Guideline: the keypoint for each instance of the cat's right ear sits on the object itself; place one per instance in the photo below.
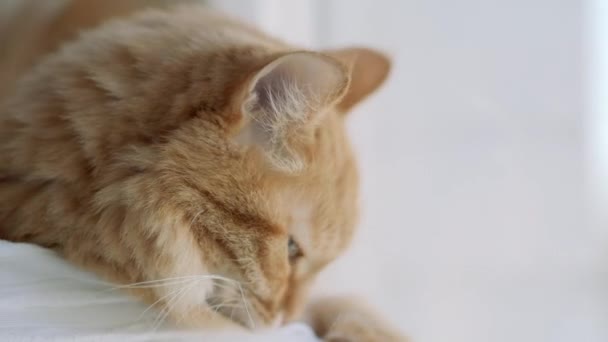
(369, 69)
(283, 100)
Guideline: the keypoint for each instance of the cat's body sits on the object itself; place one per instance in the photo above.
(181, 145)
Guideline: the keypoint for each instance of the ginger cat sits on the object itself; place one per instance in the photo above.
(179, 146)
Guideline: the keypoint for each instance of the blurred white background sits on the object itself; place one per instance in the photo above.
(476, 159)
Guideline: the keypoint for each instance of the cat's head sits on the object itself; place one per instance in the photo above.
(284, 188)
(217, 153)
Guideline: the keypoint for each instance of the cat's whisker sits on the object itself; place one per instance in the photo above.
(160, 282)
(214, 308)
(246, 306)
(151, 286)
(170, 304)
(231, 313)
(190, 283)
(172, 294)
(169, 281)
(159, 301)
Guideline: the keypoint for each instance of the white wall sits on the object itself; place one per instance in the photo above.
(596, 43)
(475, 223)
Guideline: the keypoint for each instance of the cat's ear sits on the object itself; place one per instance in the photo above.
(283, 101)
(368, 68)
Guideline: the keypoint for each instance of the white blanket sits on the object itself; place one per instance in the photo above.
(43, 298)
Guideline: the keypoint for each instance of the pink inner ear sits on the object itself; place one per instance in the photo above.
(286, 97)
(299, 81)
(271, 88)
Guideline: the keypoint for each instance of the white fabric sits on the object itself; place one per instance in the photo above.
(43, 298)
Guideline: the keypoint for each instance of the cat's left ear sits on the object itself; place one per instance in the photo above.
(368, 71)
(283, 100)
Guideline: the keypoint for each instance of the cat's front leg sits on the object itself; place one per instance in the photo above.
(345, 319)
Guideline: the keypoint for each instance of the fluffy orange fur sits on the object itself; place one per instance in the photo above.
(182, 146)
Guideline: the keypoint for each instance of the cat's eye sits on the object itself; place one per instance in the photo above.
(293, 249)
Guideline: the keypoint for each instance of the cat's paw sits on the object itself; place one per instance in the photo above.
(357, 328)
(350, 320)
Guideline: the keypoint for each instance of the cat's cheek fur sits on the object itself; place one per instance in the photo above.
(184, 260)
